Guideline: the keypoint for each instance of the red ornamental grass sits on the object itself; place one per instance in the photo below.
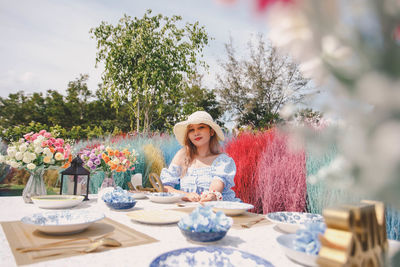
(245, 151)
(281, 177)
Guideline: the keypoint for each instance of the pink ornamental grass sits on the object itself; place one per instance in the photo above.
(281, 177)
(245, 151)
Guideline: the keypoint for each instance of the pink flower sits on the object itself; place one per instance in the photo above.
(262, 5)
(47, 135)
(34, 136)
(44, 143)
(28, 136)
(60, 149)
(60, 141)
(42, 132)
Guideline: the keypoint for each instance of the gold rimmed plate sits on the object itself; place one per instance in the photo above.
(57, 201)
(156, 216)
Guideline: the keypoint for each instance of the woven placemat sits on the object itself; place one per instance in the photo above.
(22, 235)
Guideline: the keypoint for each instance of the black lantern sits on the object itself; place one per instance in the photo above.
(76, 170)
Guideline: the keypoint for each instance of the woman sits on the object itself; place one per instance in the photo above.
(201, 170)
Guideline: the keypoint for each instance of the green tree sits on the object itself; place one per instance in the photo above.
(255, 89)
(146, 62)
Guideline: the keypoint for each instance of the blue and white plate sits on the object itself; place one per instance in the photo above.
(165, 197)
(63, 221)
(208, 256)
(230, 208)
(290, 222)
(287, 243)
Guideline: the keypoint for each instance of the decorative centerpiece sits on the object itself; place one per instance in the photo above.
(203, 225)
(108, 160)
(35, 153)
(119, 199)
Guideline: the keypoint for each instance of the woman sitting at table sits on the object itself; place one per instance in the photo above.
(199, 168)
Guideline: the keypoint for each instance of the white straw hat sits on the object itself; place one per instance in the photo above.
(196, 118)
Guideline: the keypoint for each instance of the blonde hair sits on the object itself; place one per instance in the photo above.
(191, 149)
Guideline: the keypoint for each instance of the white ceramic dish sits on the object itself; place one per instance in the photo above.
(208, 256)
(165, 197)
(57, 201)
(230, 208)
(156, 216)
(290, 222)
(63, 221)
(138, 195)
(286, 242)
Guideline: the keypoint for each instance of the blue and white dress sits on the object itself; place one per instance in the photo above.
(199, 179)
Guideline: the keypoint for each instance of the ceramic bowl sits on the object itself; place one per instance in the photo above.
(230, 208)
(203, 236)
(290, 222)
(120, 205)
(62, 222)
(287, 244)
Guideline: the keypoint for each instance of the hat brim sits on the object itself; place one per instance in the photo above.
(181, 127)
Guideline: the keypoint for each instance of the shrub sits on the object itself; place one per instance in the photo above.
(281, 176)
(245, 151)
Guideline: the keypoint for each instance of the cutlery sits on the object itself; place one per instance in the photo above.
(60, 243)
(250, 224)
(106, 241)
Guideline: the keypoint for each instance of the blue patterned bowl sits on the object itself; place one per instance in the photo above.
(121, 205)
(203, 236)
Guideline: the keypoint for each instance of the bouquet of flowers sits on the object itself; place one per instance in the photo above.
(38, 150)
(107, 159)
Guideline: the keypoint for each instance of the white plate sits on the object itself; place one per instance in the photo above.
(156, 216)
(286, 242)
(57, 201)
(230, 208)
(290, 222)
(138, 195)
(208, 256)
(165, 197)
(63, 221)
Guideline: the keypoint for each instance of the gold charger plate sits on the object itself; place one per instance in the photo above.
(156, 216)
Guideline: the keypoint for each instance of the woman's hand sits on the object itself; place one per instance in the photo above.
(208, 197)
(192, 196)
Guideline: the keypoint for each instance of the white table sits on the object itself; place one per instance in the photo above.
(260, 241)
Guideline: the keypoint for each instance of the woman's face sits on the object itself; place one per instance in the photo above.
(200, 134)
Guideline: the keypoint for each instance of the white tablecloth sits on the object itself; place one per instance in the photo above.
(260, 241)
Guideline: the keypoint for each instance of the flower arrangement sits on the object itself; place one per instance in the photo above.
(107, 159)
(38, 150)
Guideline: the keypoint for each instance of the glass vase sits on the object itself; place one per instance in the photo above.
(35, 185)
(108, 180)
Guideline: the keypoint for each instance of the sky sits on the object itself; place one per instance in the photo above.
(45, 43)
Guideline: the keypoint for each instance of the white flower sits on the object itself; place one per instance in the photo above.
(59, 156)
(32, 156)
(31, 166)
(15, 164)
(40, 138)
(19, 155)
(2, 159)
(11, 151)
(38, 149)
(116, 161)
(37, 142)
(23, 147)
(26, 160)
(46, 150)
